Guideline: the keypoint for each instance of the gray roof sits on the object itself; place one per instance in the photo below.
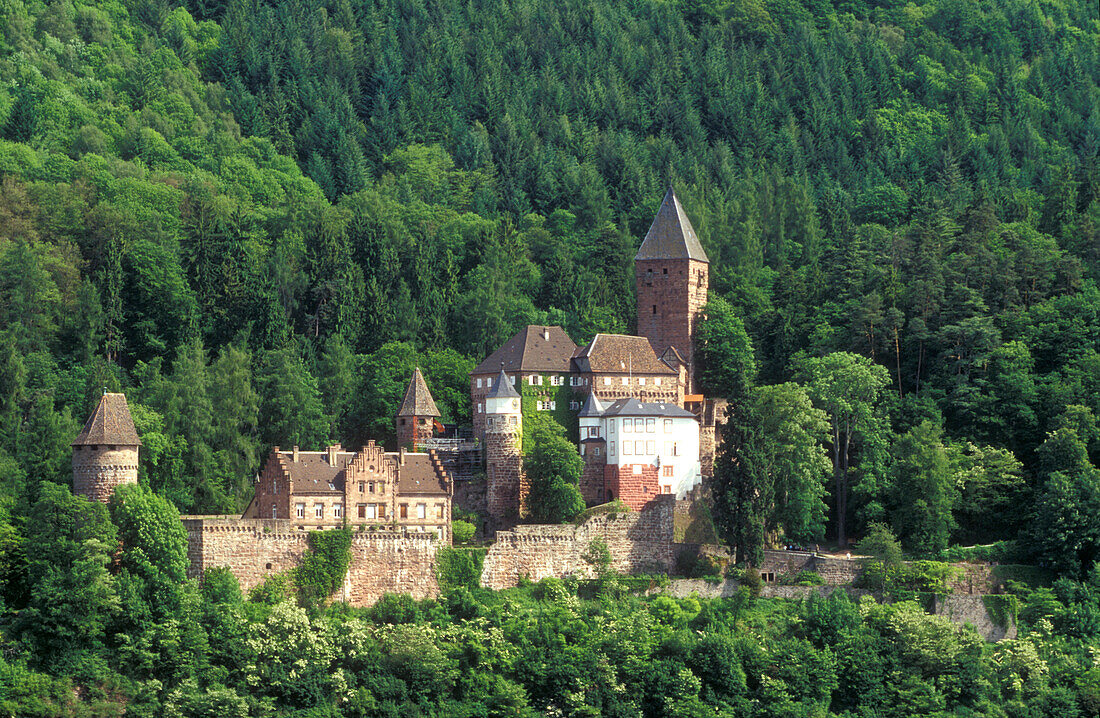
(671, 235)
(632, 407)
(503, 388)
(109, 424)
(592, 406)
(418, 400)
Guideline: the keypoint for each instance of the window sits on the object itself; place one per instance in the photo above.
(538, 405)
(611, 449)
(404, 509)
(594, 432)
(657, 381)
(574, 405)
(274, 511)
(625, 381)
(381, 511)
(479, 407)
(607, 381)
(439, 511)
(421, 511)
(654, 308)
(372, 511)
(664, 270)
(628, 426)
(319, 510)
(300, 510)
(667, 471)
(582, 449)
(639, 447)
(338, 511)
(274, 487)
(479, 383)
(612, 426)
(361, 511)
(641, 381)
(514, 379)
(628, 448)
(666, 489)
(675, 449)
(596, 450)
(381, 487)
(668, 426)
(362, 487)
(553, 405)
(651, 447)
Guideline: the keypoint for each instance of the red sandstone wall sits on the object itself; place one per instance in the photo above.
(634, 490)
(679, 297)
(638, 542)
(382, 562)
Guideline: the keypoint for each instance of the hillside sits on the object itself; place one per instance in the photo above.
(255, 218)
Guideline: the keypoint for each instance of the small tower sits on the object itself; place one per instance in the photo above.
(105, 453)
(671, 271)
(503, 452)
(416, 416)
(593, 450)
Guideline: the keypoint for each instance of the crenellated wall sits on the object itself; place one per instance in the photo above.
(639, 542)
(253, 549)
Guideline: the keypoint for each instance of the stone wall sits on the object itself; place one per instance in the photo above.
(834, 571)
(253, 549)
(97, 471)
(639, 542)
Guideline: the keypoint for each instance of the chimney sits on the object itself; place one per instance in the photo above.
(546, 334)
(295, 453)
(401, 456)
(332, 451)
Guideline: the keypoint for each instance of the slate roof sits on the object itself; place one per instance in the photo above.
(418, 475)
(503, 388)
(633, 407)
(620, 354)
(671, 235)
(530, 350)
(418, 400)
(592, 406)
(110, 423)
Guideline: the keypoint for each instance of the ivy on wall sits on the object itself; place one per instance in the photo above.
(546, 392)
(324, 565)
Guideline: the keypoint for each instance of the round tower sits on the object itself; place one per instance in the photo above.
(415, 420)
(105, 453)
(503, 451)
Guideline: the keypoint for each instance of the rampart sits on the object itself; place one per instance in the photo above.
(253, 549)
(639, 542)
(834, 571)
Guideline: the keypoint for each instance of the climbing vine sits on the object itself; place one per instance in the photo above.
(324, 565)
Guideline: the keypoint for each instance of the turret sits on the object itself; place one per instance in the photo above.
(416, 416)
(672, 272)
(503, 452)
(105, 453)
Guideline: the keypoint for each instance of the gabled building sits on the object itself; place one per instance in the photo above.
(634, 451)
(617, 365)
(368, 488)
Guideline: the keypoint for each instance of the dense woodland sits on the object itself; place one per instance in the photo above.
(256, 217)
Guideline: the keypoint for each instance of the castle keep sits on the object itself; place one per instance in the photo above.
(544, 370)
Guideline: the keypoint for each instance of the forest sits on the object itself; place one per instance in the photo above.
(256, 217)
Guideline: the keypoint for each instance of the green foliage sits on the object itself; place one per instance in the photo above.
(553, 468)
(455, 567)
(1002, 609)
(462, 531)
(324, 566)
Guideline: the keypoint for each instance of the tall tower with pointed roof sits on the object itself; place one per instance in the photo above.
(105, 452)
(415, 418)
(672, 273)
(503, 452)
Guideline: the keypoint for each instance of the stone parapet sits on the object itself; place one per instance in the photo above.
(638, 542)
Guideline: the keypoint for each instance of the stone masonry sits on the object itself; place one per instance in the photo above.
(639, 542)
(253, 549)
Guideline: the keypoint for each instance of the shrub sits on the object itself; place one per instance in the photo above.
(324, 566)
(462, 531)
(456, 567)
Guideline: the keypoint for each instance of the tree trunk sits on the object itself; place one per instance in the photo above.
(897, 355)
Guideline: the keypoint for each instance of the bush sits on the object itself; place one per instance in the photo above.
(456, 567)
(750, 579)
(324, 566)
(809, 578)
(462, 531)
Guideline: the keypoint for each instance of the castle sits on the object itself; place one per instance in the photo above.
(645, 435)
(643, 427)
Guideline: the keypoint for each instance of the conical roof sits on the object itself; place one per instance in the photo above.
(592, 406)
(671, 235)
(110, 423)
(503, 388)
(418, 400)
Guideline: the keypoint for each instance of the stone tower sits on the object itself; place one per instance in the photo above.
(105, 453)
(503, 451)
(415, 418)
(593, 451)
(672, 272)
